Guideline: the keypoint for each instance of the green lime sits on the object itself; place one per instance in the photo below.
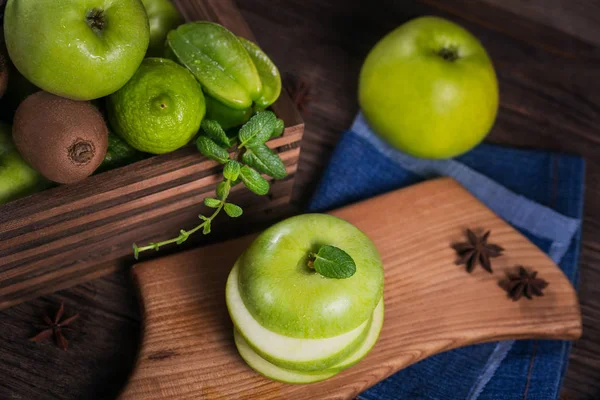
(17, 178)
(160, 109)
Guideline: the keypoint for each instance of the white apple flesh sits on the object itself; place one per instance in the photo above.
(275, 372)
(289, 352)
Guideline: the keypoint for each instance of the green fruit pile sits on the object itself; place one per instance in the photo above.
(69, 66)
(292, 324)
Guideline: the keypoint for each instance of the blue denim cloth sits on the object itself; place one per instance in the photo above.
(540, 193)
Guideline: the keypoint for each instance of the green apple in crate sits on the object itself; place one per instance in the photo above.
(429, 89)
(306, 298)
(163, 17)
(79, 49)
(17, 178)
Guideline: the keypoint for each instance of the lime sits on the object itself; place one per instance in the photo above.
(160, 109)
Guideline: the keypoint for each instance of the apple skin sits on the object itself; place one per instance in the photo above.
(286, 297)
(274, 372)
(163, 16)
(286, 352)
(422, 103)
(52, 43)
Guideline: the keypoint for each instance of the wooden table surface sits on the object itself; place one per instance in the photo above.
(550, 98)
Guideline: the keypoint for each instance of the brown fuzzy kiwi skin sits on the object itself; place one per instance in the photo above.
(64, 140)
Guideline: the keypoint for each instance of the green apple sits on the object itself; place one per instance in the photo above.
(275, 372)
(17, 178)
(367, 343)
(284, 351)
(429, 88)
(79, 49)
(163, 17)
(272, 371)
(286, 297)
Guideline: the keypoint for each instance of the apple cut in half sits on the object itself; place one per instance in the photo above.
(288, 352)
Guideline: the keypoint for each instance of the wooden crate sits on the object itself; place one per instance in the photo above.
(70, 234)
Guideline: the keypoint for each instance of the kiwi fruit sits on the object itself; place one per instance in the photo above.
(64, 140)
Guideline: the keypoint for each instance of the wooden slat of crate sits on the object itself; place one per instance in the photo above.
(71, 234)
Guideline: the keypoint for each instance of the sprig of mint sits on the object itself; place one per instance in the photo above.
(251, 159)
(332, 262)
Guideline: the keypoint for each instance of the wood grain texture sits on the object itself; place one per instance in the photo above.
(70, 234)
(550, 99)
(579, 18)
(431, 305)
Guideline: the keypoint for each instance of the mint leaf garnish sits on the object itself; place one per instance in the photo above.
(212, 203)
(213, 130)
(332, 262)
(212, 150)
(258, 129)
(279, 128)
(233, 210)
(262, 159)
(231, 170)
(254, 181)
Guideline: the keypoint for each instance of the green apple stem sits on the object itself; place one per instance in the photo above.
(96, 20)
(448, 53)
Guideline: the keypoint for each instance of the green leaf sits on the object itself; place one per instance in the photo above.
(231, 170)
(212, 150)
(206, 227)
(254, 181)
(262, 159)
(213, 130)
(223, 190)
(279, 128)
(183, 236)
(212, 203)
(136, 251)
(258, 129)
(332, 262)
(232, 210)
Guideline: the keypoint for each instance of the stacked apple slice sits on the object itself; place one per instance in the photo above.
(293, 324)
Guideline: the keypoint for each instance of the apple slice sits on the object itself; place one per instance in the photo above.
(272, 371)
(284, 351)
(367, 344)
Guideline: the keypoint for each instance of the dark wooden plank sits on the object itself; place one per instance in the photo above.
(70, 234)
(579, 18)
(550, 99)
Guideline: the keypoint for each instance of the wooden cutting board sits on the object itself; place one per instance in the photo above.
(431, 304)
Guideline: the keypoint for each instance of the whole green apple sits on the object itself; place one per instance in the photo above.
(79, 49)
(429, 89)
(163, 17)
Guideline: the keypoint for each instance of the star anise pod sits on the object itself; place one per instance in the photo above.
(524, 284)
(56, 328)
(477, 251)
